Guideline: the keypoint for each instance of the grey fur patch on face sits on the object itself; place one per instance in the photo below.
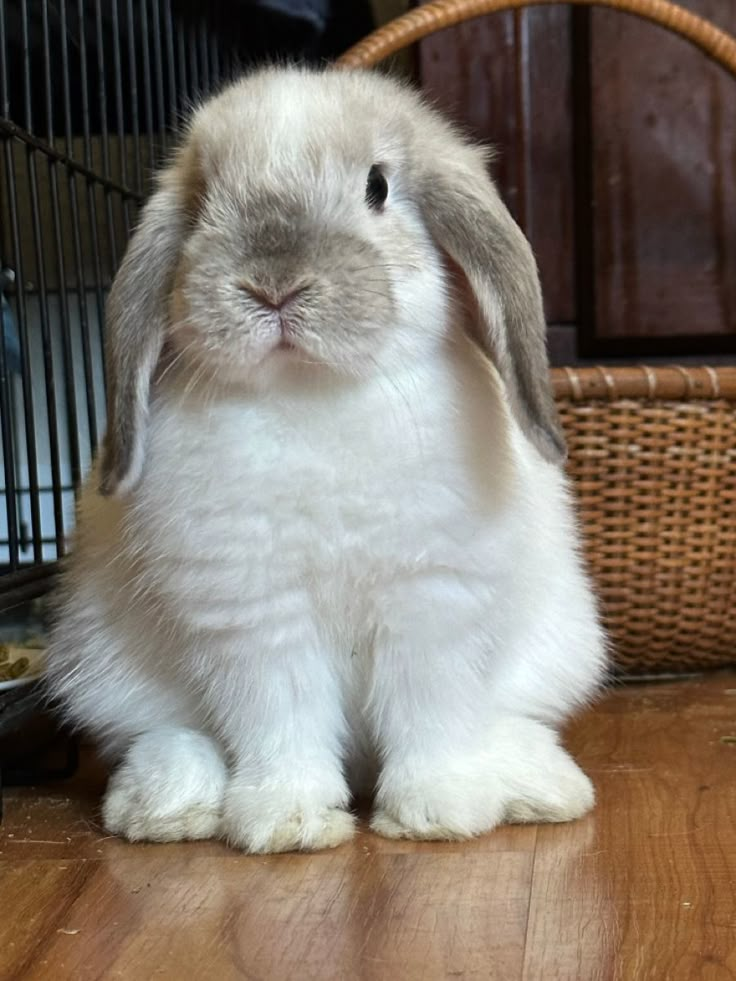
(263, 255)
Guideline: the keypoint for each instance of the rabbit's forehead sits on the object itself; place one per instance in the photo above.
(296, 123)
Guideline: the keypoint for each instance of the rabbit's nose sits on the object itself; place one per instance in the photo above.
(272, 299)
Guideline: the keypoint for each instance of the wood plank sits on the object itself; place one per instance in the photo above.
(506, 78)
(549, 210)
(664, 140)
(646, 887)
(178, 912)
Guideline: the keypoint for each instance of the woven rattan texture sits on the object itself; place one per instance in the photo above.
(656, 484)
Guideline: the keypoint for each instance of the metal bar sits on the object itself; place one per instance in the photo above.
(25, 40)
(7, 408)
(119, 111)
(147, 87)
(102, 91)
(33, 573)
(102, 103)
(8, 438)
(48, 357)
(9, 129)
(133, 90)
(28, 415)
(68, 146)
(66, 340)
(194, 66)
(169, 30)
(118, 79)
(181, 61)
(4, 91)
(204, 54)
(84, 83)
(76, 233)
(47, 72)
(230, 62)
(112, 242)
(77, 245)
(215, 50)
(159, 72)
(97, 263)
(75, 458)
(44, 489)
(27, 584)
(45, 540)
(91, 203)
(89, 386)
(181, 72)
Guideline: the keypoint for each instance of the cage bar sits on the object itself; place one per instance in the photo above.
(92, 95)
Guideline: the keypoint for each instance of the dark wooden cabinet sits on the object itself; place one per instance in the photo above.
(617, 153)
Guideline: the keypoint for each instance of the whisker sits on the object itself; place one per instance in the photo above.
(175, 361)
(194, 380)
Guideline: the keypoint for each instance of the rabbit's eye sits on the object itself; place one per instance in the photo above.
(376, 188)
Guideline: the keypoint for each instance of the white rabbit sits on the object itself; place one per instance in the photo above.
(332, 548)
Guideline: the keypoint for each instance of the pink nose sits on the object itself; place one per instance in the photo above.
(273, 301)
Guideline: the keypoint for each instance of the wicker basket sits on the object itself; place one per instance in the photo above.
(653, 457)
(652, 450)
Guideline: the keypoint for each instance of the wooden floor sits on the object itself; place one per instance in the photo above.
(644, 888)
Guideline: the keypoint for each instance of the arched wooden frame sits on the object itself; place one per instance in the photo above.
(433, 17)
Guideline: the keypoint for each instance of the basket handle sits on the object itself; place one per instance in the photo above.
(436, 16)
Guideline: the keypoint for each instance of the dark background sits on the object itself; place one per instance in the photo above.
(618, 156)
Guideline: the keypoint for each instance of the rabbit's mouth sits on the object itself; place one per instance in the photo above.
(286, 344)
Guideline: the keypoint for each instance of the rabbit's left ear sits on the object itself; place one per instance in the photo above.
(469, 221)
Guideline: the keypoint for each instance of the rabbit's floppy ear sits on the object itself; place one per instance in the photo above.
(136, 316)
(469, 221)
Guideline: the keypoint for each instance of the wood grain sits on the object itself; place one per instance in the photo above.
(664, 139)
(507, 79)
(615, 153)
(644, 888)
(652, 895)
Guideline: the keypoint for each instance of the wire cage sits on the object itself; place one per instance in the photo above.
(91, 97)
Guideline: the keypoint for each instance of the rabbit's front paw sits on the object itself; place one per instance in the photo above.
(169, 787)
(557, 790)
(444, 806)
(284, 817)
(523, 775)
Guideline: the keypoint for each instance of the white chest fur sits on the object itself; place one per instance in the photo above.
(252, 499)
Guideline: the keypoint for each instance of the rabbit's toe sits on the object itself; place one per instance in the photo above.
(389, 826)
(298, 831)
(445, 805)
(559, 793)
(169, 787)
(281, 817)
(522, 774)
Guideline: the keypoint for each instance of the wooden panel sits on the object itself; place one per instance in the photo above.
(507, 78)
(664, 155)
(548, 148)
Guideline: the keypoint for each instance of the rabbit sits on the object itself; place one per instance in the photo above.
(328, 548)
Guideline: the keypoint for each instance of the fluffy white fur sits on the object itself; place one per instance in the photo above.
(323, 585)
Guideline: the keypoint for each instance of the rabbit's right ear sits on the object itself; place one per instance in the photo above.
(136, 317)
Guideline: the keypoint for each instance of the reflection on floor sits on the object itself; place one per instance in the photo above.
(644, 888)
